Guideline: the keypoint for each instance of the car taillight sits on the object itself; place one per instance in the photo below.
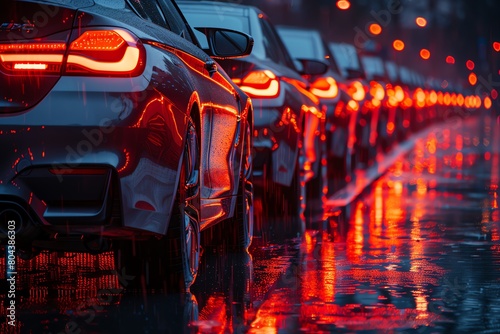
(399, 94)
(377, 91)
(113, 52)
(391, 97)
(97, 51)
(487, 103)
(433, 98)
(325, 88)
(419, 97)
(352, 105)
(40, 57)
(356, 91)
(260, 84)
(447, 99)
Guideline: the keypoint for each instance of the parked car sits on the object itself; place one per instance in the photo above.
(308, 44)
(364, 112)
(119, 132)
(387, 111)
(402, 97)
(282, 103)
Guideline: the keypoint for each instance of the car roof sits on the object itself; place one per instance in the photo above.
(298, 29)
(235, 8)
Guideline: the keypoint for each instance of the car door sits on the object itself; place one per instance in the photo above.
(220, 112)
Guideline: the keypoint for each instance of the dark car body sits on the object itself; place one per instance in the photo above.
(280, 98)
(362, 100)
(308, 43)
(113, 125)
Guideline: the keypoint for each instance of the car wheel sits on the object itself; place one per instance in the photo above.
(183, 236)
(170, 263)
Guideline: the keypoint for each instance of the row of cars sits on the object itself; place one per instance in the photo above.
(352, 103)
(143, 126)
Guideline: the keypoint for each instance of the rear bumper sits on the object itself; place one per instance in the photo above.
(277, 134)
(102, 161)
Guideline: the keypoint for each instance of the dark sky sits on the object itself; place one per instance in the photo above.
(465, 29)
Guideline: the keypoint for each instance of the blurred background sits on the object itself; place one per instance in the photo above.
(454, 31)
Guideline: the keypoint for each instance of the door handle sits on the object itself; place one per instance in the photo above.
(211, 67)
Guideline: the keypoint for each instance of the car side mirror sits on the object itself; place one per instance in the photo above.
(354, 74)
(226, 43)
(312, 67)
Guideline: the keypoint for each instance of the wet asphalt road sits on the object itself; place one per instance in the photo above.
(417, 252)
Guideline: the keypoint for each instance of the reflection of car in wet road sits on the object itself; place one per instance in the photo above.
(116, 126)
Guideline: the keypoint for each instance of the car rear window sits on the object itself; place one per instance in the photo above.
(373, 66)
(301, 46)
(345, 56)
(150, 11)
(216, 20)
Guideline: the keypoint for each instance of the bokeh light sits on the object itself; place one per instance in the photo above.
(470, 65)
(421, 22)
(425, 54)
(494, 94)
(472, 79)
(343, 4)
(398, 45)
(375, 29)
(487, 102)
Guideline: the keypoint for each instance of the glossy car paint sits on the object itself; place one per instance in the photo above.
(308, 44)
(365, 125)
(101, 155)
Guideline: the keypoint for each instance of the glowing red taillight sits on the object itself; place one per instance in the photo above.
(377, 91)
(42, 57)
(352, 105)
(357, 91)
(260, 84)
(97, 51)
(105, 52)
(325, 88)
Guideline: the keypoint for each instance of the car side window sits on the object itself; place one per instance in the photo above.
(150, 11)
(176, 21)
(274, 47)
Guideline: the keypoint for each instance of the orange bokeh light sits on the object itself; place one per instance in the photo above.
(375, 29)
(421, 22)
(343, 4)
(478, 101)
(425, 54)
(398, 45)
(447, 99)
(450, 60)
(472, 79)
(487, 102)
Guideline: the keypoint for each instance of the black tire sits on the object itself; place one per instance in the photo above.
(170, 263)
